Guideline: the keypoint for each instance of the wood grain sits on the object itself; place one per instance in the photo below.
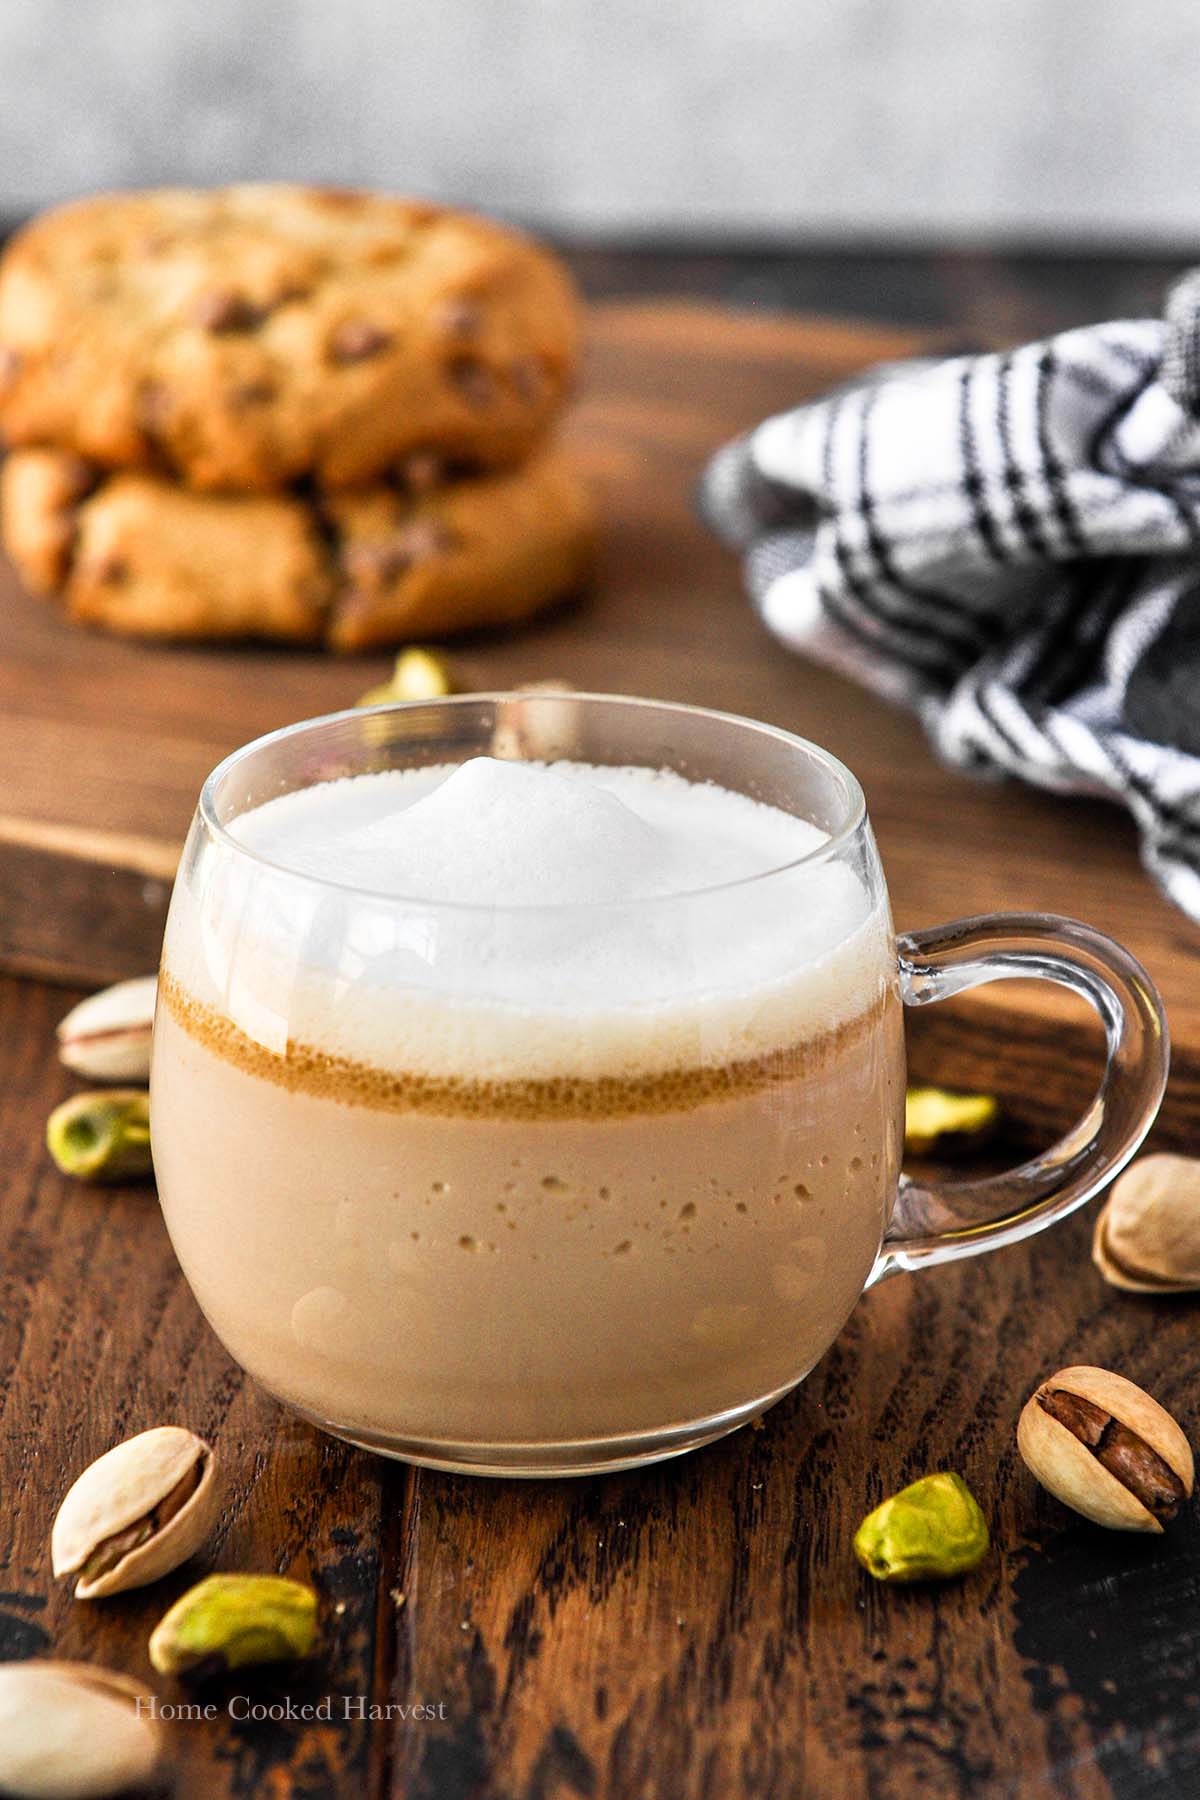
(691, 1632)
(699, 1631)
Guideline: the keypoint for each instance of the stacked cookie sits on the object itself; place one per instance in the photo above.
(284, 412)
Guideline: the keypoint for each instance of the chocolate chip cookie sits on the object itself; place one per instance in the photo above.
(141, 555)
(242, 338)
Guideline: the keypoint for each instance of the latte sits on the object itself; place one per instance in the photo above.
(503, 1104)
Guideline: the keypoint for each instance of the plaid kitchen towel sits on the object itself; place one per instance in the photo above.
(1010, 544)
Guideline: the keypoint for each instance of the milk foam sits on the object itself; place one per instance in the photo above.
(653, 962)
(525, 834)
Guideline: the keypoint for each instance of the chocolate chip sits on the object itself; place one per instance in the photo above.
(460, 317)
(425, 538)
(252, 393)
(223, 310)
(421, 471)
(111, 570)
(474, 380)
(153, 406)
(529, 378)
(10, 362)
(371, 566)
(356, 340)
(78, 477)
(338, 199)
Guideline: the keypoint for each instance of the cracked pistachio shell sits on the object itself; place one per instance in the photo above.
(107, 1036)
(1067, 1468)
(136, 1513)
(69, 1731)
(235, 1621)
(929, 1531)
(1147, 1238)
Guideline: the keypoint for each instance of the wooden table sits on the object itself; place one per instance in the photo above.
(700, 1629)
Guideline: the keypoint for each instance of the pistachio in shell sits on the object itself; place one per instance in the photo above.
(231, 1622)
(1147, 1237)
(107, 1036)
(71, 1731)
(1105, 1448)
(136, 1513)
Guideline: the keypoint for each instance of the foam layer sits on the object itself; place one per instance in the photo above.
(648, 966)
(525, 834)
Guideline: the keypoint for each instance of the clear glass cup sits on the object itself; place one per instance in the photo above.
(607, 1230)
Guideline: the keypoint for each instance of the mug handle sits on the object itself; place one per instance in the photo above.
(963, 1218)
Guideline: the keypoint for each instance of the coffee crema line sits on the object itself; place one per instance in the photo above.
(303, 1068)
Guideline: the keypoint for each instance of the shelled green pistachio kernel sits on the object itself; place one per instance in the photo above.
(102, 1136)
(418, 675)
(940, 1122)
(929, 1531)
(234, 1621)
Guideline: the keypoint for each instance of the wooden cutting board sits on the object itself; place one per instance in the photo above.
(104, 743)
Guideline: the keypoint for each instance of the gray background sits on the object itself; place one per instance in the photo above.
(1035, 121)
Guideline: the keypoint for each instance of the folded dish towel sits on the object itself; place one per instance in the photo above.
(1010, 544)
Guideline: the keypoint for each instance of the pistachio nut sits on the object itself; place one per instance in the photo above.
(136, 1513)
(102, 1136)
(417, 675)
(231, 1621)
(939, 1122)
(107, 1036)
(69, 1731)
(929, 1531)
(1147, 1238)
(1103, 1447)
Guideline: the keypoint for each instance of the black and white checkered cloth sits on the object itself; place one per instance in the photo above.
(1010, 544)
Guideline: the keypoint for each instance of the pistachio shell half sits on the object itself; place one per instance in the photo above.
(107, 1036)
(1103, 1447)
(69, 1731)
(136, 1513)
(1147, 1238)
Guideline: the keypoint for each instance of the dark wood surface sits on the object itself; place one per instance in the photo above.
(977, 295)
(699, 1630)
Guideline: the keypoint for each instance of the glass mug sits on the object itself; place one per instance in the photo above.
(540, 1228)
